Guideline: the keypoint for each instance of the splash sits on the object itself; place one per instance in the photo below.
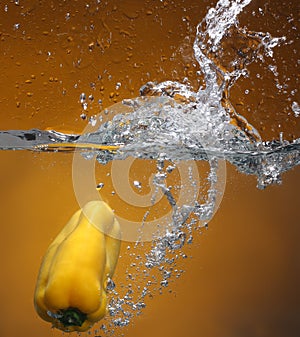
(182, 124)
(189, 124)
(206, 121)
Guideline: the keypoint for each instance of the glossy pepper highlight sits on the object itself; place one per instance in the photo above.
(71, 287)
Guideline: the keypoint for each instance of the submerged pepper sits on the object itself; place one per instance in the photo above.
(71, 286)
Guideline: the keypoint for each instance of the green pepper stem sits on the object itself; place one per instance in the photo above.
(71, 317)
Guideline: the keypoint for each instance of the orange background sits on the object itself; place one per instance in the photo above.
(242, 279)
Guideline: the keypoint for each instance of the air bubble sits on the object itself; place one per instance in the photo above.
(137, 184)
(82, 97)
(110, 284)
(296, 109)
(164, 283)
(170, 168)
(93, 120)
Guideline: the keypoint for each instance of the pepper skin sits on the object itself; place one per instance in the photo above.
(71, 286)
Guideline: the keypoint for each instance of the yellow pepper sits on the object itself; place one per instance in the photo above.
(71, 286)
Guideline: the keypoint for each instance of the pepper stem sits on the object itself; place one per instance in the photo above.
(71, 316)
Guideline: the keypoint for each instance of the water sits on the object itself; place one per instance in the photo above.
(180, 131)
(171, 123)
